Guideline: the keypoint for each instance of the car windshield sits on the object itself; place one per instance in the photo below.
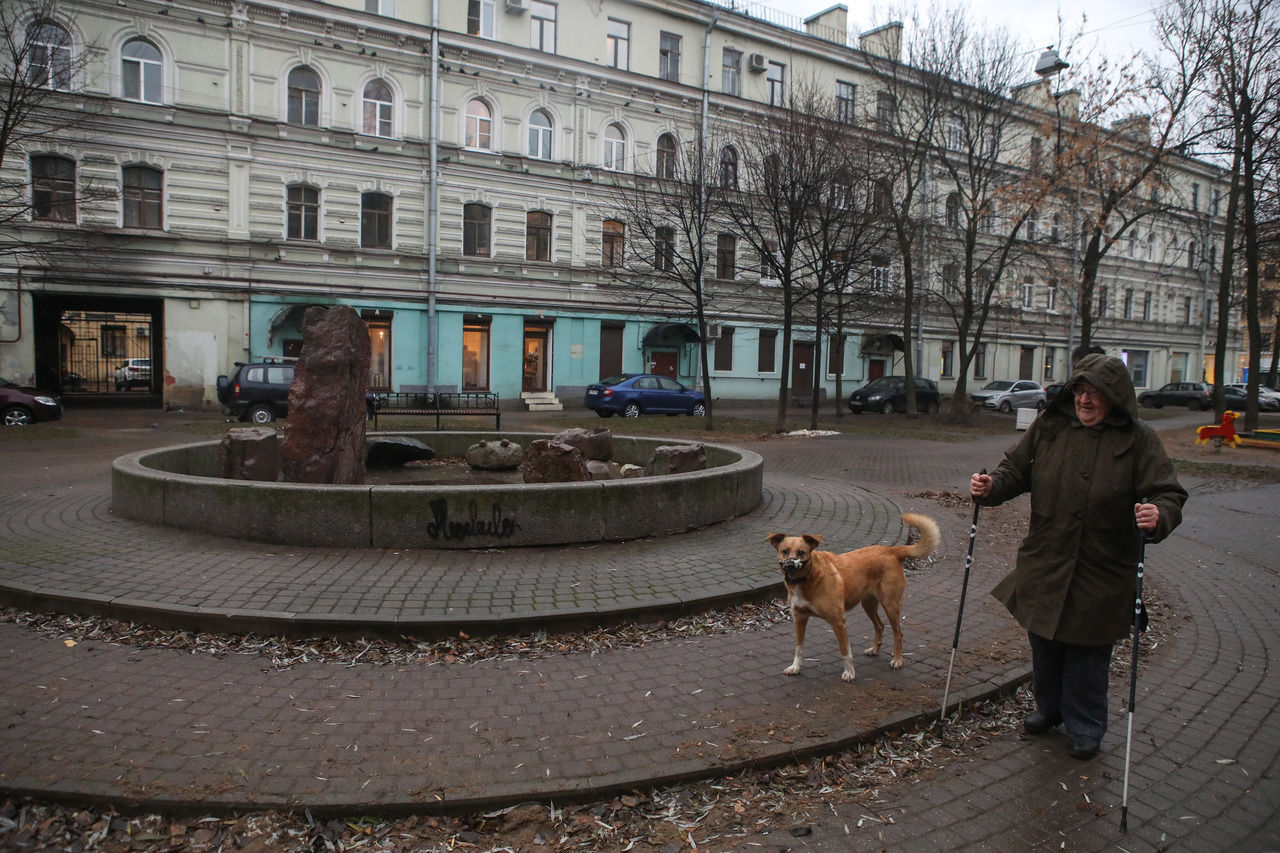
(613, 380)
(882, 384)
(998, 385)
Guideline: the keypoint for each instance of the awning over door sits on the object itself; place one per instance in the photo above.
(671, 334)
(287, 316)
(882, 343)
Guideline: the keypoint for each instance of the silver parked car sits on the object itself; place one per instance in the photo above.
(1006, 395)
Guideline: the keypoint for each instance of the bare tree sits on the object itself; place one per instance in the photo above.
(655, 237)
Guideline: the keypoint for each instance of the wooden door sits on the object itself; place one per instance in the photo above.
(663, 364)
(802, 368)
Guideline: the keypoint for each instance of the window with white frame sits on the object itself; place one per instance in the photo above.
(669, 57)
(612, 243)
(478, 131)
(1028, 294)
(1137, 362)
(53, 189)
(980, 361)
(49, 63)
(948, 357)
(664, 245)
(666, 157)
(955, 133)
(728, 168)
(480, 18)
(1187, 304)
(1051, 296)
(1050, 355)
(539, 135)
(1128, 303)
(1148, 300)
(379, 105)
(775, 84)
(881, 274)
(303, 93)
(141, 71)
(846, 102)
(953, 210)
(537, 236)
(617, 44)
(886, 111)
(303, 213)
(542, 26)
(615, 148)
(731, 72)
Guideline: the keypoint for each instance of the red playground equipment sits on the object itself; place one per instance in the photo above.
(1223, 433)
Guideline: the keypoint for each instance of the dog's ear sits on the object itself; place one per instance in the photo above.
(775, 538)
(813, 540)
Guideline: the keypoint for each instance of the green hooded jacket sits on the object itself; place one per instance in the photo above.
(1076, 574)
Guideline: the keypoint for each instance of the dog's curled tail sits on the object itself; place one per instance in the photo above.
(930, 537)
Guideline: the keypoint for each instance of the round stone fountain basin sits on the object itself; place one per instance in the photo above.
(180, 487)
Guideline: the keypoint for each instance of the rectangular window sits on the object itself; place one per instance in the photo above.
(1179, 364)
(1128, 303)
(731, 72)
(303, 213)
(50, 65)
(379, 351)
(1137, 362)
(611, 244)
(114, 341)
(664, 240)
(475, 230)
(475, 355)
(480, 18)
(537, 236)
(765, 359)
(143, 197)
(1028, 295)
(1049, 356)
(881, 275)
(775, 84)
(669, 57)
(617, 44)
(1051, 296)
(948, 357)
(886, 111)
(724, 349)
(768, 263)
(375, 221)
(980, 362)
(1195, 197)
(1147, 300)
(1186, 310)
(542, 26)
(726, 256)
(53, 189)
(846, 101)
(1102, 302)
(142, 71)
(1215, 203)
(955, 134)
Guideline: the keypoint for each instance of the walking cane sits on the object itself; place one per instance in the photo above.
(1133, 679)
(964, 588)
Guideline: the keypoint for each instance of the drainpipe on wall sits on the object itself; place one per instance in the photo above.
(433, 195)
(702, 183)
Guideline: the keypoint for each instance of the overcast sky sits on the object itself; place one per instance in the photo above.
(1118, 26)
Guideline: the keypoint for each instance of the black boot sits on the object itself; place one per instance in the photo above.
(1038, 722)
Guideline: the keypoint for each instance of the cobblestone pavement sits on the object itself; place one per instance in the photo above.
(168, 728)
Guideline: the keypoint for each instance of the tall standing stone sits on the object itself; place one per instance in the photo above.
(325, 442)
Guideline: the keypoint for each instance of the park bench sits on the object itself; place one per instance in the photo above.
(438, 403)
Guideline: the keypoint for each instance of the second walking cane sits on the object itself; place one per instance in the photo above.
(964, 589)
(1138, 628)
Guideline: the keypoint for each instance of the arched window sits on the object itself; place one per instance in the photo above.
(476, 220)
(953, 210)
(50, 57)
(142, 70)
(728, 168)
(304, 97)
(540, 135)
(666, 161)
(379, 106)
(615, 148)
(143, 197)
(303, 213)
(478, 132)
(375, 220)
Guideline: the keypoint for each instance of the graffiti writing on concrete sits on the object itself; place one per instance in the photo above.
(472, 524)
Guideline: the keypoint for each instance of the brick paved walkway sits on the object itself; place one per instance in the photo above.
(164, 727)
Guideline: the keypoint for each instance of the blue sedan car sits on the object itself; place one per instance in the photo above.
(634, 394)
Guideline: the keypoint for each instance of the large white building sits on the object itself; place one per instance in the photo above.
(215, 167)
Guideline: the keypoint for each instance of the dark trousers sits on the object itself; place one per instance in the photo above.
(1071, 684)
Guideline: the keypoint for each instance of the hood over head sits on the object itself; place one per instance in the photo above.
(1109, 375)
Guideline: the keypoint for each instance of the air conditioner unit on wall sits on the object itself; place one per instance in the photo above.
(757, 62)
(713, 331)
(517, 5)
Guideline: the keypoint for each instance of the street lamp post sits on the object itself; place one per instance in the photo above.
(1051, 65)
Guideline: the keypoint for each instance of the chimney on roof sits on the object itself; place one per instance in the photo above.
(885, 42)
(1135, 127)
(830, 24)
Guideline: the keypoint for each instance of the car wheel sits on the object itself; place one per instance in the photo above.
(16, 416)
(1006, 407)
(699, 410)
(631, 410)
(1040, 404)
(887, 407)
(261, 414)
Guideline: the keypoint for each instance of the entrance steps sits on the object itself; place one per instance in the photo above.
(541, 401)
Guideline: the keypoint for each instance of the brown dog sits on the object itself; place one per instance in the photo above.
(827, 585)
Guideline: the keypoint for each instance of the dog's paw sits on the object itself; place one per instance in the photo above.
(847, 675)
(896, 663)
(791, 670)
(872, 652)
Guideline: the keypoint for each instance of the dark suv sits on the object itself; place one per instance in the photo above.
(259, 391)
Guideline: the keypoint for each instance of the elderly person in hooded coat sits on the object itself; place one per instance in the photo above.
(1094, 471)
